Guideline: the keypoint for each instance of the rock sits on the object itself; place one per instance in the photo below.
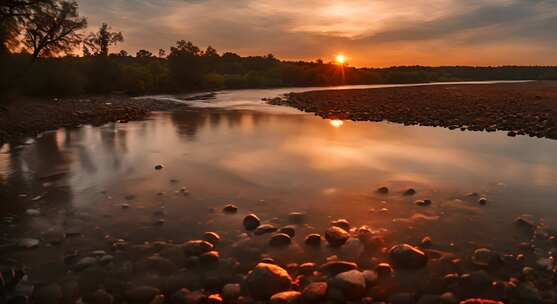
(184, 296)
(85, 263)
(296, 217)
(33, 212)
(315, 292)
(426, 242)
(286, 297)
(307, 268)
(28, 243)
(407, 256)
(197, 247)
(401, 298)
(487, 258)
(528, 293)
(371, 277)
(423, 203)
(230, 209)
(125, 206)
(480, 301)
(336, 236)
(409, 192)
(266, 228)
(342, 223)
(525, 222)
(209, 259)
(266, 280)
(482, 201)
(159, 167)
(141, 294)
(313, 240)
(475, 282)
(448, 298)
(290, 230)
(382, 190)
(48, 294)
(384, 270)
(159, 265)
(231, 292)
(352, 284)
(251, 222)
(333, 268)
(544, 263)
(214, 299)
(99, 297)
(211, 237)
(280, 240)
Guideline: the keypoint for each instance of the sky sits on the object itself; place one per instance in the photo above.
(373, 33)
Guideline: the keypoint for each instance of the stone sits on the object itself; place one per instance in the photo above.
(141, 294)
(336, 236)
(211, 237)
(313, 240)
(342, 223)
(231, 292)
(333, 268)
(423, 203)
(384, 270)
(480, 301)
(33, 212)
(401, 298)
(28, 243)
(307, 268)
(266, 280)
(197, 247)
(525, 222)
(47, 294)
(407, 256)
(230, 208)
(214, 299)
(99, 297)
(160, 265)
(209, 259)
(265, 228)
(315, 292)
(409, 192)
(280, 240)
(251, 222)
(85, 263)
(159, 167)
(371, 277)
(296, 217)
(426, 242)
(286, 297)
(290, 230)
(475, 282)
(487, 258)
(352, 284)
(482, 201)
(382, 190)
(448, 298)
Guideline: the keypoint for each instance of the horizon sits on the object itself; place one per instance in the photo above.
(406, 33)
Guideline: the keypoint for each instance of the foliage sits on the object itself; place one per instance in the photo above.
(99, 43)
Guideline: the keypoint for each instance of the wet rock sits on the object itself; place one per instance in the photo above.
(313, 240)
(384, 270)
(487, 258)
(159, 167)
(407, 256)
(423, 203)
(184, 296)
(336, 236)
(141, 294)
(280, 240)
(214, 299)
(352, 284)
(402, 298)
(28, 243)
(99, 297)
(307, 268)
(265, 228)
(296, 217)
(211, 237)
(48, 294)
(315, 292)
(480, 301)
(33, 212)
(448, 298)
(197, 247)
(545, 263)
(230, 209)
(528, 293)
(482, 201)
(251, 222)
(209, 259)
(286, 297)
(333, 268)
(266, 280)
(342, 223)
(525, 222)
(231, 292)
(158, 264)
(409, 192)
(106, 259)
(371, 277)
(426, 242)
(290, 230)
(382, 190)
(475, 282)
(85, 263)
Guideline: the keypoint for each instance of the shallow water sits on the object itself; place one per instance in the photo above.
(271, 161)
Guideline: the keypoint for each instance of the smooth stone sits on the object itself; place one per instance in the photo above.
(352, 284)
(371, 277)
(141, 294)
(85, 263)
(382, 190)
(33, 212)
(280, 240)
(484, 257)
(266, 280)
(290, 230)
(184, 296)
(336, 236)
(296, 217)
(525, 222)
(209, 259)
(342, 223)
(475, 282)
(286, 297)
(315, 292)
(307, 268)
(197, 247)
(214, 299)
(333, 268)
(407, 256)
(482, 201)
(211, 237)
(448, 298)
(48, 294)
(159, 265)
(423, 203)
(231, 292)
(409, 192)
(265, 228)
(28, 243)
(251, 222)
(313, 240)
(230, 209)
(159, 167)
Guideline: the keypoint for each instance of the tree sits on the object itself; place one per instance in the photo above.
(143, 54)
(184, 48)
(162, 53)
(54, 29)
(98, 43)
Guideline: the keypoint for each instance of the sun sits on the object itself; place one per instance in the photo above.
(340, 59)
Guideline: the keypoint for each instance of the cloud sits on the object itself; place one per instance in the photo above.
(371, 32)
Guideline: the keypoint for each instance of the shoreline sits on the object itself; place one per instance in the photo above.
(28, 117)
(524, 108)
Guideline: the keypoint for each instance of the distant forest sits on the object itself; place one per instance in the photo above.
(38, 38)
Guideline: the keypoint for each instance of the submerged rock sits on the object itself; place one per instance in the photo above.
(296, 217)
(211, 237)
(286, 297)
(48, 294)
(315, 292)
(313, 240)
(230, 208)
(336, 236)
(251, 222)
(342, 223)
(352, 284)
(231, 292)
(382, 190)
(290, 230)
(280, 240)
(409, 192)
(197, 247)
(487, 258)
(333, 268)
(407, 256)
(265, 228)
(28, 243)
(141, 294)
(159, 167)
(266, 280)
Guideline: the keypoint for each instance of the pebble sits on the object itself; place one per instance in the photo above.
(266, 280)
(384, 270)
(296, 217)
(211, 237)
(214, 299)
(99, 297)
(231, 292)
(251, 222)
(342, 223)
(484, 257)
(423, 203)
(159, 167)
(85, 263)
(209, 259)
(336, 236)
(352, 284)
(315, 292)
(48, 294)
(28, 243)
(265, 228)
(230, 209)
(280, 240)
(482, 201)
(197, 247)
(407, 256)
(409, 192)
(383, 190)
(426, 242)
(286, 297)
(333, 268)
(290, 230)
(141, 294)
(33, 212)
(313, 240)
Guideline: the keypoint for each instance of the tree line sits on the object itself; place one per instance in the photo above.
(38, 38)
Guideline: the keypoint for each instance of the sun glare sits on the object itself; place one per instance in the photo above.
(337, 123)
(340, 59)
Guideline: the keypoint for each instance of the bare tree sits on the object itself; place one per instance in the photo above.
(54, 29)
(98, 43)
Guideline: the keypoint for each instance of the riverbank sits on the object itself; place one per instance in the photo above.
(29, 117)
(526, 108)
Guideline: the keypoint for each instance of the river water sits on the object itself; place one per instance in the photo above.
(271, 161)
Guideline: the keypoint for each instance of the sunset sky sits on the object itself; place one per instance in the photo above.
(369, 32)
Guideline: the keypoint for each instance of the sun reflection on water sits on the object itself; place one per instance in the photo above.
(337, 123)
